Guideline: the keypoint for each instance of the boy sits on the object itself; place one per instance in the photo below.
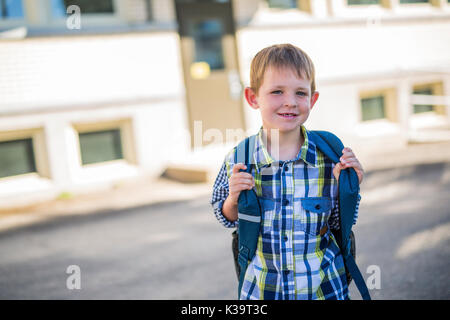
(297, 256)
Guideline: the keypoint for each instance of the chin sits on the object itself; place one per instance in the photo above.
(282, 127)
(289, 127)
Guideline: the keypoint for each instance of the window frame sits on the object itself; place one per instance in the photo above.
(373, 97)
(437, 89)
(37, 137)
(413, 3)
(359, 5)
(118, 154)
(302, 6)
(30, 161)
(297, 6)
(90, 19)
(39, 21)
(390, 104)
(125, 127)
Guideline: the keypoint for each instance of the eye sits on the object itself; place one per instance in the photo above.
(277, 92)
(301, 93)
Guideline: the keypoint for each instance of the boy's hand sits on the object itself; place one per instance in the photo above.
(239, 181)
(348, 160)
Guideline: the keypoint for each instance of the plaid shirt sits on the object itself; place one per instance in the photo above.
(292, 260)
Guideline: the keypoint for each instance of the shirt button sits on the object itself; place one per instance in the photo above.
(286, 168)
(285, 238)
(285, 202)
(286, 272)
(317, 206)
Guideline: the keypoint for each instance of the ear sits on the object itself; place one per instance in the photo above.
(314, 98)
(251, 97)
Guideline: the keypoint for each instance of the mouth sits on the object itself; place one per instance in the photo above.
(288, 115)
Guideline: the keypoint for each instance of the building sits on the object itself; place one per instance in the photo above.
(94, 92)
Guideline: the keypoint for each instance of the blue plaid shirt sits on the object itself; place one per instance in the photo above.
(294, 259)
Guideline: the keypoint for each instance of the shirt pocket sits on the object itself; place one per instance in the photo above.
(315, 212)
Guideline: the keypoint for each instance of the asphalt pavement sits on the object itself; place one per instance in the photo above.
(178, 250)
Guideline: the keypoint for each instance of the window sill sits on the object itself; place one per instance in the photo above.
(23, 185)
(376, 128)
(104, 172)
(426, 120)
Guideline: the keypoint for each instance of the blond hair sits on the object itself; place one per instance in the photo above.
(281, 56)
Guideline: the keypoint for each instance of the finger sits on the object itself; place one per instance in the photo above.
(244, 180)
(237, 167)
(238, 180)
(337, 170)
(349, 160)
(338, 166)
(243, 186)
(350, 164)
(347, 149)
(354, 165)
(348, 154)
(244, 175)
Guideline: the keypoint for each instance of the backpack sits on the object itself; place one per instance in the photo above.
(244, 239)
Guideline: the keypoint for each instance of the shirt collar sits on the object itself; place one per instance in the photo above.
(262, 158)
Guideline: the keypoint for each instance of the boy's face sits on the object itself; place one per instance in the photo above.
(284, 100)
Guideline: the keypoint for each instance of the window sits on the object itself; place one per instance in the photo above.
(16, 157)
(422, 104)
(363, 2)
(100, 146)
(414, 1)
(282, 4)
(86, 6)
(419, 108)
(207, 35)
(11, 9)
(373, 108)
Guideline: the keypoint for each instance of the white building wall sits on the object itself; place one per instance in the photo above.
(57, 72)
(56, 83)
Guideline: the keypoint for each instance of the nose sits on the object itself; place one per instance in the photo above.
(290, 101)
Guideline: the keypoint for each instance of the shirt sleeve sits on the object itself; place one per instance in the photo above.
(334, 222)
(219, 195)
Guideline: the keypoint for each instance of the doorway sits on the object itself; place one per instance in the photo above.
(210, 65)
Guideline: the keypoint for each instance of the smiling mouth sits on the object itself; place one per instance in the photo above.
(288, 115)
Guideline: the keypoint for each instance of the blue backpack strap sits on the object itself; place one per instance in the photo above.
(332, 147)
(249, 211)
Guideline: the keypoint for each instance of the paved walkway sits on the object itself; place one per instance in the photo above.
(147, 191)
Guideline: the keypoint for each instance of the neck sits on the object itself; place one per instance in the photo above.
(283, 145)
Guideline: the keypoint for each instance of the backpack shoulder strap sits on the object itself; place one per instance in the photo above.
(244, 152)
(332, 147)
(249, 211)
(328, 143)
